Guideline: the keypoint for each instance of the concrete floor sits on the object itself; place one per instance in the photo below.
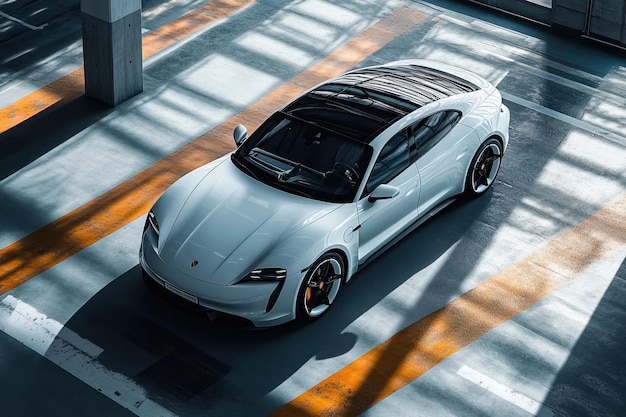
(534, 271)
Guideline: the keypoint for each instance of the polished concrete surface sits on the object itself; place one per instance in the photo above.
(510, 305)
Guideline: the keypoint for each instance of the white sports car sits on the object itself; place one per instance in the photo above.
(271, 232)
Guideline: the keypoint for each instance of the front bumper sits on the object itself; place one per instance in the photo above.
(248, 300)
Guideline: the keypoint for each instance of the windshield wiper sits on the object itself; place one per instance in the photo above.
(286, 175)
(244, 167)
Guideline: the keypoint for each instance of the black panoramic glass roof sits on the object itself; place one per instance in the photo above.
(362, 103)
(411, 83)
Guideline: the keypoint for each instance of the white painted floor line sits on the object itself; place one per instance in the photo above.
(21, 22)
(593, 129)
(539, 59)
(506, 393)
(75, 355)
(603, 95)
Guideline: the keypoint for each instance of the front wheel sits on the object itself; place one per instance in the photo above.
(484, 168)
(320, 286)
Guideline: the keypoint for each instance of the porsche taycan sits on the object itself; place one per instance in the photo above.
(271, 232)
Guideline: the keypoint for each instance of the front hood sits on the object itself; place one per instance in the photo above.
(230, 222)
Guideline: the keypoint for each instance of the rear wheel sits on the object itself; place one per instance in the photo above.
(320, 286)
(484, 168)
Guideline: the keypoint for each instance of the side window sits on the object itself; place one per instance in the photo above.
(429, 131)
(393, 159)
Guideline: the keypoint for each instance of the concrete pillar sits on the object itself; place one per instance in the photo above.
(112, 49)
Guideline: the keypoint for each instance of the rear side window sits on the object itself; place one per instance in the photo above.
(429, 131)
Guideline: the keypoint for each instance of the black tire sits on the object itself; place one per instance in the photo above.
(484, 168)
(320, 287)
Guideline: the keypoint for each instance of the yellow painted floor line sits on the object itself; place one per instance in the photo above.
(130, 200)
(73, 85)
(424, 344)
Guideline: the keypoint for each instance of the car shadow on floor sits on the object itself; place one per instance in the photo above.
(188, 363)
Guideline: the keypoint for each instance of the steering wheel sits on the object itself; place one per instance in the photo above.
(346, 171)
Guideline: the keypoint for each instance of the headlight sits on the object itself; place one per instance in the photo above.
(265, 274)
(151, 221)
(268, 275)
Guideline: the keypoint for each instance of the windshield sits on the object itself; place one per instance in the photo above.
(305, 159)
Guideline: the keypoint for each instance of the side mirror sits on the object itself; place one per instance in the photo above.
(383, 192)
(240, 134)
